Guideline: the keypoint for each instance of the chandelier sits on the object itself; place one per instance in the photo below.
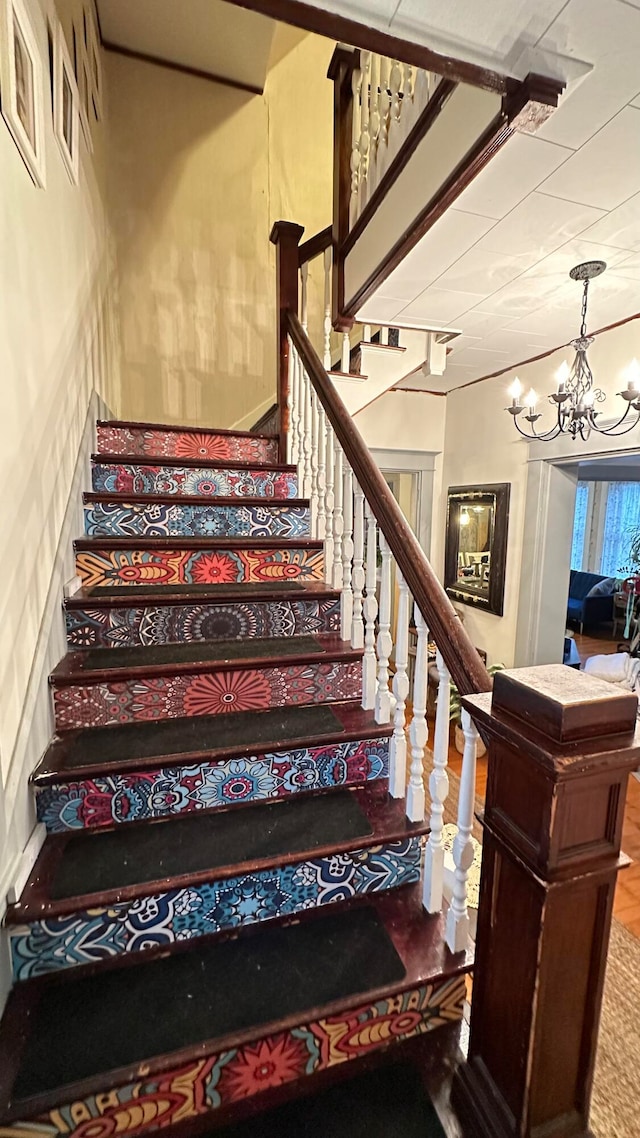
(576, 398)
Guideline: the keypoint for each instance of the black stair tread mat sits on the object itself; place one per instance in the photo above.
(389, 1102)
(205, 651)
(97, 1023)
(220, 591)
(200, 733)
(151, 851)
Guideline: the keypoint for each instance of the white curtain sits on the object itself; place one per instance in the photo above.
(622, 518)
(579, 526)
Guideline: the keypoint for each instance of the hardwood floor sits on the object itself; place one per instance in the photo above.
(599, 643)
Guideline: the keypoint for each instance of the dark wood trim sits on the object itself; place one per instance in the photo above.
(461, 658)
(210, 501)
(494, 600)
(269, 417)
(443, 92)
(343, 63)
(159, 460)
(191, 429)
(519, 108)
(315, 245)
(344, 30)
(208, 543)
(171, 65)
(165, 595)
(285, 235)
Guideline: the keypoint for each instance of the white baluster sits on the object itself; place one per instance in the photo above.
(299, 420)
(358, 577)
(438, 790)
(292, 440)
(364, 142)
(330, 503)
(307, 471)
(384, 335)
(345, 363)
(370, 614)
(384, 104)
(356, 88)
(374, 122)
(366, 333)
(346, 603)
(407, 87)
(398, 747)
(315, 434)
(457, 924)
(304, 294)
(326, 354)
(418, 732)
(384, 642)
(321, 526)
(338, 515)
(421, 89)
(395, 83)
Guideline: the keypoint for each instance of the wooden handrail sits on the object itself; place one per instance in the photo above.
(466, 668)
(315, 245)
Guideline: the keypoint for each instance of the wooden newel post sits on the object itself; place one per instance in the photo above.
(344, 62)
(285, 235)
(561, 746)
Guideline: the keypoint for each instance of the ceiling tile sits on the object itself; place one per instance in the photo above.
(620, 228)
(450, 237)
(515, 171)
(481, 272)
(478, 323)
(439, 306)
(517, 345)
(606, 171)
(496, 29)
(538, 226)
(380, 309)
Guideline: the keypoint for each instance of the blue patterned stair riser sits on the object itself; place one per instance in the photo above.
(174, 519)
(130, 478)
(162, 919)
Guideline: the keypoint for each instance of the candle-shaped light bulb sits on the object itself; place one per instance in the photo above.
(562, 376)
(515, 391)
(532, 399)
(588, 399)
(633, 376)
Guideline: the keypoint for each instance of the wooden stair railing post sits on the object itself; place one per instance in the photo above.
(343, 63)
(285, 235)
(561, 747)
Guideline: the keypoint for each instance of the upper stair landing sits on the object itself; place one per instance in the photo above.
(158, 440)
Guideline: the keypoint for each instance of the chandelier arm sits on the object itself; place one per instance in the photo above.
(614, 432)
(533, 435)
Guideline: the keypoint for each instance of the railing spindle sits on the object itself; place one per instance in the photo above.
(384, 335)
(398, 747)
(330, 502)
(356, 160)
(345, 362)
(338, 516)
(358, 575)
(321, 526)
(292, 438)
(457, 923)
(364, 140)
(438, 790)
(370, 614)
(326, 325)
(307, 414)
(419, 731)
(346, 603)
(384, 641)
(315, 466)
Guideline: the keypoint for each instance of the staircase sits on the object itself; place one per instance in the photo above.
(227, 905)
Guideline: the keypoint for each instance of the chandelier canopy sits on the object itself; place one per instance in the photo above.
(576, 397)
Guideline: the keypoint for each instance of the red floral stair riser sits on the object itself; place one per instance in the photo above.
(211, 692)
(99, 568)
(180, 443)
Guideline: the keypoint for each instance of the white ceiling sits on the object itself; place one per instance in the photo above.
(206, 35)
(497, 265)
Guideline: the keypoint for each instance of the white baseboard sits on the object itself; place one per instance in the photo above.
(17, 874)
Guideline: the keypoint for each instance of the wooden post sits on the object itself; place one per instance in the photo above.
(343, 63)
(285, 235)
(561, 746)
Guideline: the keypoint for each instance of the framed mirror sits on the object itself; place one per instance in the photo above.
(476, 545)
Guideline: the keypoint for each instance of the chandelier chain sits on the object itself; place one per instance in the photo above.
(585, 294)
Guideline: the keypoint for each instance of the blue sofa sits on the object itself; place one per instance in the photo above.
(585, 609)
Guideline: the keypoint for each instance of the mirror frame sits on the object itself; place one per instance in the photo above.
(457, 497)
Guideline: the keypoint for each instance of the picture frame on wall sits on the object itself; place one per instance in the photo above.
(22, 86)
(92, 46)
(66, 105)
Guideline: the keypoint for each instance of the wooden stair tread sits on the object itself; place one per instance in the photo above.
(173, 428)
(125, 596)
(98, 868)
(162, 659)
(107, 458)
(209, 500)
(209, 543)
(84, 1034)
(139, 746)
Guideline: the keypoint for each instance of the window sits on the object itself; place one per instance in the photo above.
(579, 526)
(622, 517)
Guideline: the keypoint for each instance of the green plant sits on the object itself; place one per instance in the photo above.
(633, 566)
(455, 706)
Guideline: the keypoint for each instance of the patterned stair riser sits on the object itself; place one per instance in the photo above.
(125, 478)
(211, 692)
(132, 627)
(161, 919)
(146, 519)
(197, 567)
(103, 800)
(217, 1080)
(186, 444)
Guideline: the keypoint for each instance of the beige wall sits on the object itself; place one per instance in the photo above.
(198, 173)
(56, 358)
(482, 446)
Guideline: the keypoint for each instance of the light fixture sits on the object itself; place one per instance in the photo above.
(576, 395)
(464, 518)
